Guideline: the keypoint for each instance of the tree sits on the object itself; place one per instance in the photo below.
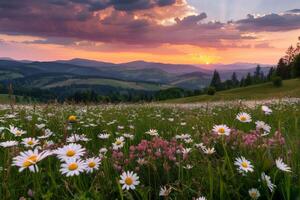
(234, 80)
(216, 81)
(248, 80)
(283, 70)
(296, 66)
(270, 73)
(257, 74)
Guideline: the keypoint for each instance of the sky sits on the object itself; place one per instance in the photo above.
(167, 31)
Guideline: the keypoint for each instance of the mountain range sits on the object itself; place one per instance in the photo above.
(103, 76)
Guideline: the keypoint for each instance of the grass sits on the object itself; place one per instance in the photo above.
(290, 88)
(110, 82)
(157, 161)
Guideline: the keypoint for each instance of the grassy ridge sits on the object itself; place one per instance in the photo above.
(290, 88)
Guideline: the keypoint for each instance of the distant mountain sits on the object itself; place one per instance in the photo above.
(87, 63)
(90, 73)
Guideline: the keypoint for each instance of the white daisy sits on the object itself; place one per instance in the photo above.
(92, 164)
(47, 134)
(16, 131)
(77, 138)
(10, 143)
(267, 180)
(119, 143)
(266, 110)
(152, 132)
(254, 193)
(72, 167)
(70, 151)
(201, 198)
(164, 191)
(221, 129)
(30, 142)
(29, 159)
(244, 117)
(103, 136)
(129, 180)
(282, 166)
(243, 165)
(262, 126)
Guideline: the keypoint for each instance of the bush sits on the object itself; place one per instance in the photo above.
(277, 81)
(211, 91)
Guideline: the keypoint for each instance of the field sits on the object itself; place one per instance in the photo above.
(290, 88)
(80, 152)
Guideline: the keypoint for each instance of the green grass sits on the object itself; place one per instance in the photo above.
(290, 88)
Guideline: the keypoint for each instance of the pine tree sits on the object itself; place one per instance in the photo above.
(257, 74)
(248, 80)
(216, 81)
(235, 81)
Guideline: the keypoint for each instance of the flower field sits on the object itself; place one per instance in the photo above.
(232, 150)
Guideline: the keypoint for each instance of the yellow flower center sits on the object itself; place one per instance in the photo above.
(92, 164)
(221, 130)
(30, 161)
(128, 181)
(70, 153)
(118, 142)
(244, 164)
(243, 118)
(73, 166)
(18, 133)
(30, 142)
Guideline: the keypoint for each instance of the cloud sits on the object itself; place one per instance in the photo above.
(270, 22)
(131, 22)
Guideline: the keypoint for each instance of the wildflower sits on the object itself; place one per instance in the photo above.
(30, 142)
(129, 180)
(29, 159)
(47, 134)
(201, 198)
(72, 118)
(40, 126)
(119, 143)
(72, 167)
(221, 129)
(282, 166)
(10, 143)
(92, 164)
(254, 193)
(164, 191)
(267, 180)
(103, 136)
(76, 138)
(16, 131)
(243, 165)
(70, 151)
(244, 117)
(152, 132)
(209, 151)
(266, 110)
(260, 125)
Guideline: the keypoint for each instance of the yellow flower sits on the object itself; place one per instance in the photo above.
(72, 118)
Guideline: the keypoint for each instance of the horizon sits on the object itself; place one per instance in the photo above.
(194, 32)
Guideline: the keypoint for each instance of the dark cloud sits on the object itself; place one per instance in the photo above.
(270, 23)
(294, 11)
(128, 22)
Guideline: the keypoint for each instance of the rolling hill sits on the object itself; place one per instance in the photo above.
(290, 88)
(104, 77)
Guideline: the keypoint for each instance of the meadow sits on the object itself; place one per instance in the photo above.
(230, 150)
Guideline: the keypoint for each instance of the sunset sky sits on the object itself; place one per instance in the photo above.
(168, 31)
